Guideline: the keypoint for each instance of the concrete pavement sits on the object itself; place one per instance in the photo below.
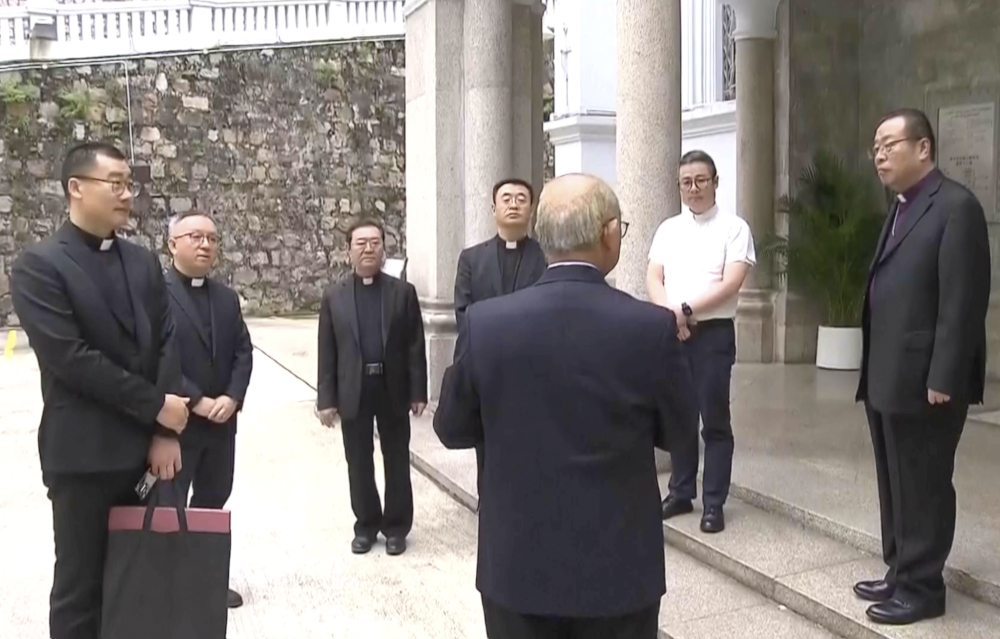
(292, 529)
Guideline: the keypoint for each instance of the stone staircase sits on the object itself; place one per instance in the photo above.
(775, 572)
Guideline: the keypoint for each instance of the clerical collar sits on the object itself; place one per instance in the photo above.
(94, 242)
(194, 282)
(511, 244)
(367, 281)
(911, 193)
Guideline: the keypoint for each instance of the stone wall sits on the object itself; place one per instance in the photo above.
(285, 147)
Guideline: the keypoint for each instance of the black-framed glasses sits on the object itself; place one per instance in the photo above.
(197, 237)
(117, 186)
(701, 182)
(887, 147)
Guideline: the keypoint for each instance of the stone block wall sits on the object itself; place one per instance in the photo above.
(286, 147)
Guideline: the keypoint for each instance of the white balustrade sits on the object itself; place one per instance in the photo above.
(136, 27)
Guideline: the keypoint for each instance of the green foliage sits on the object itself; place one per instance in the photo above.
(327, 73)
(834, 224)
(15, 92)
(76, 104)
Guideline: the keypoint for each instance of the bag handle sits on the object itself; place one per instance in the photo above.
(165, 494)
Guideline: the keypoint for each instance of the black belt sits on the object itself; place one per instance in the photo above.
(713, 323)
(372, 370)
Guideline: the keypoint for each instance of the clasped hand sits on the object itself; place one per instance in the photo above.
(218, 410)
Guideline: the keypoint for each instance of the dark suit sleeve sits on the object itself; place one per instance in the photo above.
(190, 390)
(963, 294)
(168, 374)
(463, 288)
(326, 383)
(457, 420)
(239, 380)
(42, 304)
(676, 396)
(417, 348)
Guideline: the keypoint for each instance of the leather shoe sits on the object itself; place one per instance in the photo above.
(878, 590)
(673, 507)
(234, 600)
(395, 545)
(362, 544)
(713, 520)
(897, 612)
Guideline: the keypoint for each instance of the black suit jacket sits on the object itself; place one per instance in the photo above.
(479, 276)
(570, 384)
(925, 314)
(216, 364)
(103, 383)
(340, 362)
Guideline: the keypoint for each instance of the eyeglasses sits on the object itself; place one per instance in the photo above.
(701, 182)
(887, 147)
(622, 225)
(197, 238)
(117, 186)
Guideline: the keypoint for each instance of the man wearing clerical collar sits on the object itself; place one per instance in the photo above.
(503, 264)
(216, 359)
(373, 367)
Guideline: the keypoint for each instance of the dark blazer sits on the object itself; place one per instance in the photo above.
(925, 314)
(570, 384)
(479, 277)
(340, 362)
(103, 383)
(216, 364)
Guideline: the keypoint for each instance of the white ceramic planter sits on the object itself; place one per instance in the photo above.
(839, 349)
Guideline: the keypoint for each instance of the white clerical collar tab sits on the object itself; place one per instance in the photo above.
(367, 280)
(197, 282)
(511, 245)
(107, 244)
(901, 198)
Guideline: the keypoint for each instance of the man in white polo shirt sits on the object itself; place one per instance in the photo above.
(697, 263)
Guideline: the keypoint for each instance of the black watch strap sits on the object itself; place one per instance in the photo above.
(686, 310)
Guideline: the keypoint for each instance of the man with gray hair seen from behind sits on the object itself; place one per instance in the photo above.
(216, 359)
(569, 385)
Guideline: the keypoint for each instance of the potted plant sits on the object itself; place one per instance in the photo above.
(834, 222)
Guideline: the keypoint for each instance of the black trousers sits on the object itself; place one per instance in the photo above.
(208, 463)
(80, 506)
(359, 448)
(502, 623)
(710, 352)
(914, 463)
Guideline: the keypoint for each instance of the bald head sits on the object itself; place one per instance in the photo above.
(573, 212)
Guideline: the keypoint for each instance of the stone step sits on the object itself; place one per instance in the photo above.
(982, 587)
(812, 574)
(701, 602)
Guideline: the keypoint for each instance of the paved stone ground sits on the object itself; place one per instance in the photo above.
(292, 529)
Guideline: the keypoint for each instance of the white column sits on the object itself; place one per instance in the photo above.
(434, 176)
(755, 34)
(701, 57)
(649, 128)
(487, 55)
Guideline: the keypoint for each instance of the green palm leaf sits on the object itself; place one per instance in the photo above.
(834, 223)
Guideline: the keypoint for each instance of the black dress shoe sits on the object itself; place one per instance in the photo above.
(362, 544)
(878, 591)
(395, 545)
(897, 612)
(234, 600)
(713, 520)
(673, 507)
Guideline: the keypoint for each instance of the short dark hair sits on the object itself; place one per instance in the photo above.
(916, 125)
(517, 181)
(81, 158)
(698, 157)
(365, 222)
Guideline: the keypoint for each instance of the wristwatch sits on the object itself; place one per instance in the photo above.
(686, 310)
